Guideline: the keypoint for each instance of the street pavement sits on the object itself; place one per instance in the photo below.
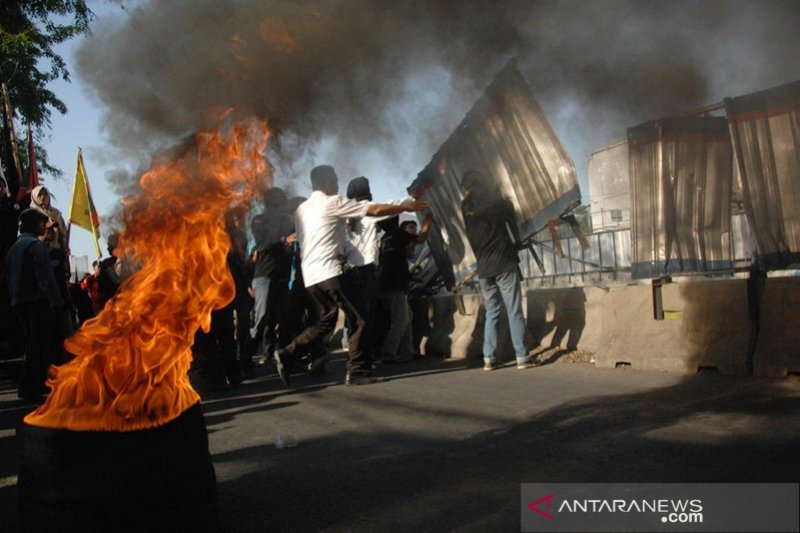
(442, 445)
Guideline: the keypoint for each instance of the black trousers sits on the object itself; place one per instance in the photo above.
(359, 282)
(326, 299)
(43, 334)
(218, 348)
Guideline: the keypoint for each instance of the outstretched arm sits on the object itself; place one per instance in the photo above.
(382, 210)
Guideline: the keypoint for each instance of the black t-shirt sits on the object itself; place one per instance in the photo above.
(487, 233)
(273, 261)
(393, 265)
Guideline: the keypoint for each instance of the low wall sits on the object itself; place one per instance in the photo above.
(706, 324)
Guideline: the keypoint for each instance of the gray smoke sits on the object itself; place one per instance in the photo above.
(380, 85)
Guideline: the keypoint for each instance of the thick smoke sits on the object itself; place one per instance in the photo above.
(375, 87)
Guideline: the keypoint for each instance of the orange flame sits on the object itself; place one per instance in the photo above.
(131, 361)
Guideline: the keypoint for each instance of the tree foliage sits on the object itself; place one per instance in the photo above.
(29, 31)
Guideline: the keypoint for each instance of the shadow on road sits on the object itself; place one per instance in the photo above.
(367, 474)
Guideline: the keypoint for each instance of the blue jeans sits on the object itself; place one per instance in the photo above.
(498, 290)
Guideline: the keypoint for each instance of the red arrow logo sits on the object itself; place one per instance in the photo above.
(549, 500)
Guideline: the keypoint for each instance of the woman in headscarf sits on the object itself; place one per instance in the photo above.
(41, 201)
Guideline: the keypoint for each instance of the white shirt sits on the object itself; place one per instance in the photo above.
(321, 223)
(362, 242)
(363, 246)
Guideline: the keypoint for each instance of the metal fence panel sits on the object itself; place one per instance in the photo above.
(680, 196)
(765, 128)
(506, 137)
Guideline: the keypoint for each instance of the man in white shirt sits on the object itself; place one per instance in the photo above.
(321, 223)
(362, 252)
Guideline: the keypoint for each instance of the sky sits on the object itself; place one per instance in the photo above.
(374, 88)
(80, 127)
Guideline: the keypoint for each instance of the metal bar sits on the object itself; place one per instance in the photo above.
(539, 262)
(658, 304)
(700, 110)
(551, 225)
(576, 229)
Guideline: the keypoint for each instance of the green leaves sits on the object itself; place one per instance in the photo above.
(29, 31)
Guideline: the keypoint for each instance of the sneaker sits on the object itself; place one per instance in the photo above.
(283, 365)
(528, 363)
(489, 366)
(361, 379)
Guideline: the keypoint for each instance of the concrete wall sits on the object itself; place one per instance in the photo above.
(707, 325)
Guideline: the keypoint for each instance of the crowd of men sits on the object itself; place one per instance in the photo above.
(311, 258)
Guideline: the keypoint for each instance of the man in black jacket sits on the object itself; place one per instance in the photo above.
(36, 299)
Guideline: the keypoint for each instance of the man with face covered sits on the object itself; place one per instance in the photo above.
(36, 298)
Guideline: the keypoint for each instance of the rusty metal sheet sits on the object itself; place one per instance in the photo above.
(681, 176)
(506, 137)
(765, 129)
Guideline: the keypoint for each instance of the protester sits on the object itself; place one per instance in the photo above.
(216, 350)
(242, 272)
(81, 300)
(37, 300)
(60, 264)
(109, 278)
(91, 284)
(393, 278)
(488, 218)
(362, 253)
(321, 230)
(274, 233)
(10, 328)
(41, 200)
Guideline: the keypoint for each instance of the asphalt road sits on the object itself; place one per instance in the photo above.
(443, 446)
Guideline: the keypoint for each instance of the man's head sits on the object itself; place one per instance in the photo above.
(113, 242)
(324, 179)
(409, 226)
(34, 222)
(275, 199)
(96, 267)
(358, 189)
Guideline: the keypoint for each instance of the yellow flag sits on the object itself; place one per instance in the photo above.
(81, 211)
